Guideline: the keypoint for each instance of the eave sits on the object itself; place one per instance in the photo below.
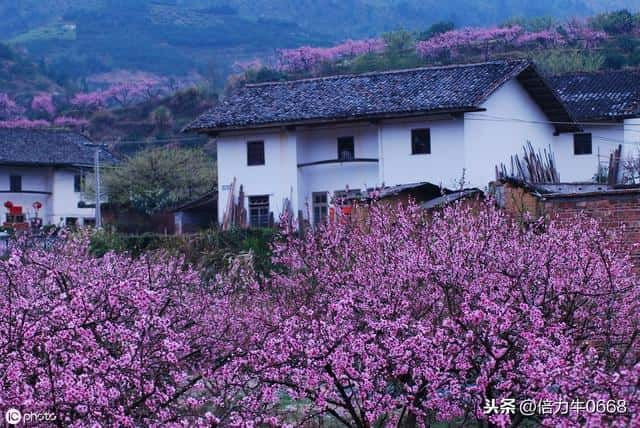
(324, 121)
(548, 100)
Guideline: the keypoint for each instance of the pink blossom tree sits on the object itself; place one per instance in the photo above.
(396, 318)
(24, 123)
(8, 107)
(90, 101)
(404, 320)
(109, 341)
(307, 58)
(43, 103)
(468, 37)
(71, 122)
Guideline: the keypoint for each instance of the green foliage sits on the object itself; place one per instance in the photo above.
(264, 74)
(615, 61)
(399, 41)
(618, 22)
(558, 61)
(155, 179)
(532, 23)
(162, 117)
(211, 250)
(437, 28)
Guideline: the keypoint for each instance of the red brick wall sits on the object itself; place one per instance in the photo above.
(613, 210)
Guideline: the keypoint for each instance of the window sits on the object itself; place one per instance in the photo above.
(320, 207)
(78, 183)
(15, 183)
(255, 153)
(259, 211)
(89, 222)
(420, 141)
(71, 221)
(345, 148)
(582, 144)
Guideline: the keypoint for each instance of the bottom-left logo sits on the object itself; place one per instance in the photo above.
(13, 416)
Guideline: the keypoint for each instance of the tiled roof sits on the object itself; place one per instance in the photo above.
(370, 95)
(46, 147)
(600, 95)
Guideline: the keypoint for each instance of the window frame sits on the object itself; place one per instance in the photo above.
(579, 144)
(262, 219)
(322, 206)
(13, 179)
(349, 140)
(414, 144)
(260, 160)
(78, 183)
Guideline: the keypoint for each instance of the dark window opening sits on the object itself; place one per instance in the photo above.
(421, 141)
(255, 153)
(89, 222)
(346, 148)
(346, 197)
(320, 207)
(71, 221)
(15, 183)
(15, 218)
(78, 183)
(582, 144)
(259, 211)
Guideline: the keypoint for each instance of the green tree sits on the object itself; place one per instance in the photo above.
(437, 28)
(558, 61)
(162, 118)
(156, 179)
(618, 22)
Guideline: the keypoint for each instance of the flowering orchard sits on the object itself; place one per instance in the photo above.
(111, 341)
(308, 58)
(394, 319)
(406, 320)
(455, 42)
(45, 110)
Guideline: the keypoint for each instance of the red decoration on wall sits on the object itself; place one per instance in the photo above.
(37, 205)
(8, 205)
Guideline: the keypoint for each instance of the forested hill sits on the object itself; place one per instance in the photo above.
(78, 38)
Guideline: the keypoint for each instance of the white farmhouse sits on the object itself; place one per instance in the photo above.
(606, 104)
(308, 140)
(46, 167)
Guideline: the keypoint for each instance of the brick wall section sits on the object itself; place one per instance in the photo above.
(612, 209)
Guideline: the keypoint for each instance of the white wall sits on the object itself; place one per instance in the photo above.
(277, 178)
(442, 166)
(65, 198)
(572, 167)
(33, 180)
(321, 144)
(511, 119)
(58, 198)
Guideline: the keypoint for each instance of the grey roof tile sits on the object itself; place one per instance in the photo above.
(429, 89)
(601, 95)
(46, 147)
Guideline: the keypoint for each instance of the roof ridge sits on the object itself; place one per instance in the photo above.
(596, 72)
(394, 71)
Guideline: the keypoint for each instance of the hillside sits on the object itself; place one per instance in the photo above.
(172, 37)
(21, 75)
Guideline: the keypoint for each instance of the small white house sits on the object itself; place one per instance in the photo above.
(46, 168)
(309, 140)
(606, 105)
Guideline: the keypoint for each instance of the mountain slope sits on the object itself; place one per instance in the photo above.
(81, 37)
